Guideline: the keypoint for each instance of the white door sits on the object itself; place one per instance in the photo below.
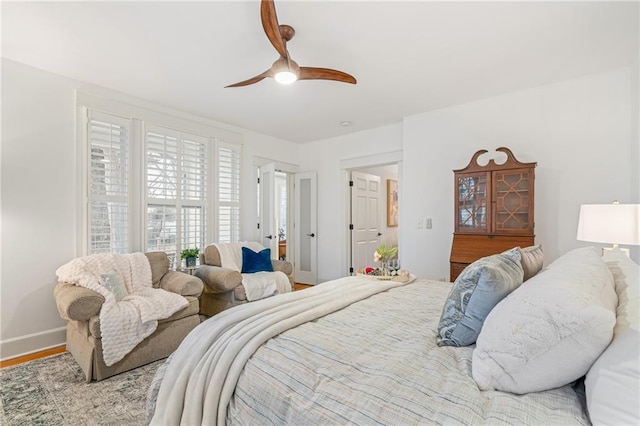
(268, 232)
(365, 219)
(305, 228)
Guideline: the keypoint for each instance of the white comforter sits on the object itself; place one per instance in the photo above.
(126, 323)
(375, 362)
(203, 372)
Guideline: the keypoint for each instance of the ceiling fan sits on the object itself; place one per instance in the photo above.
(285, 70)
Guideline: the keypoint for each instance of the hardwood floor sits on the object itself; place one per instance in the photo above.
(31, 357)
(298, 286)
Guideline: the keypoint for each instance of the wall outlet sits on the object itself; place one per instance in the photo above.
(428, 223)
(420, 224)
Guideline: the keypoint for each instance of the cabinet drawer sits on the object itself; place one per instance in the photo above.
(456, 269)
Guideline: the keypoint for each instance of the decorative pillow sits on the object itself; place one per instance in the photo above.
(476, 291)
(112, 281)
(550, 331)
(532, 259)
(611, 384)
(256, 261)
(626, 275)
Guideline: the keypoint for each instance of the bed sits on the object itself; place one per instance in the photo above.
(349, 351)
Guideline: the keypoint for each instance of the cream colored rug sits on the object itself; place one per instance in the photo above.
(52, 391)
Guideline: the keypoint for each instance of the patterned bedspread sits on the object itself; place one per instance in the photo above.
(376, 362)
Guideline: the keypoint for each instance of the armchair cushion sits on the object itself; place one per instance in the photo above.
(181, 283)
(218, 279)
(256, 261)
(77, 303)
(159, 263)
(282, 266)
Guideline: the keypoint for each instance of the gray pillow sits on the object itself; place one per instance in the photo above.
(531, 259)
(112, 281)
(476, 291)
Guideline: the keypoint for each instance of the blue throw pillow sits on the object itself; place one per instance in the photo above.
(256, 262)
(480, 287)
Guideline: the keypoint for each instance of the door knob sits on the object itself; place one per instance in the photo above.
(311, 235)
(269, 236)
(379, 234)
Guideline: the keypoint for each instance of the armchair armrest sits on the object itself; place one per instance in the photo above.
(283, 266)
(218, 279)
(77, 303)
(181, 283)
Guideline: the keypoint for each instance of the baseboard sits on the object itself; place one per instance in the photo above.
(30, 343)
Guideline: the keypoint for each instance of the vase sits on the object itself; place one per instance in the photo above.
(386, 270)
(191, 262)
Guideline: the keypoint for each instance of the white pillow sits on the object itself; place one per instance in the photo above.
(548, 332)
(613, 382)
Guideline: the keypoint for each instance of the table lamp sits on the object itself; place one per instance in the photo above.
(611, 224)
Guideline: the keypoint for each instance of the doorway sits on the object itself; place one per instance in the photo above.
(369, 213)
(287, 217)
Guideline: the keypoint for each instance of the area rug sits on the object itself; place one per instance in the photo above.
(52, 391)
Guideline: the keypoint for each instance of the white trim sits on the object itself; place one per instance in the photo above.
(34, 342)
(385, 158)
(154, 114)
(280, 165)
(82, 120)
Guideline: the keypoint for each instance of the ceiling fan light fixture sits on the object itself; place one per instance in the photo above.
(285, 77)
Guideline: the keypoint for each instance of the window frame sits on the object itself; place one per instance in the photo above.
(140, 117)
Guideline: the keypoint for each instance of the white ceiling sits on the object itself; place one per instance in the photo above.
(408, 57)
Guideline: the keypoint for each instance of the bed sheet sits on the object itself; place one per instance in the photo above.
(376, 362)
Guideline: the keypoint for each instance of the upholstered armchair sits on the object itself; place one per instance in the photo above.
(223, 287)
(81, 306)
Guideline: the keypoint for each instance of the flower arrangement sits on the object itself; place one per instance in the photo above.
(384, 254)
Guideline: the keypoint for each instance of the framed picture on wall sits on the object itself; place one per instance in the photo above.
(392, 202)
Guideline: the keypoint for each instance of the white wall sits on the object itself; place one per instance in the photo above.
(326, 157)
(38, 203)
(39, 221)
(579, 132)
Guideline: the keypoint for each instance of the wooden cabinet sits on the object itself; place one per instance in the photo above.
(493, 209)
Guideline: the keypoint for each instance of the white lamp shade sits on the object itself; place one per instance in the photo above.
(610, 223)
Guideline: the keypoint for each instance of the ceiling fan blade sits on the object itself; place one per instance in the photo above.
(271, 26)
(252, 80)
(311, 73)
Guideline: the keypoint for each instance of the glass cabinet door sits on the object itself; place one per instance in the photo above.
(472, 208)
(513, 194)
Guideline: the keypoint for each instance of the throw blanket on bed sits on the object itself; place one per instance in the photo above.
(125, 323)
(203, 372)
(257, 285)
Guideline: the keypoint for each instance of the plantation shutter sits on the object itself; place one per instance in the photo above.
(195, 194)
(177, 196)
(108, 174)
(228, 159)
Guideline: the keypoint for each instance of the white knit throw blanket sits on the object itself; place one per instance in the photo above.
(126, 323)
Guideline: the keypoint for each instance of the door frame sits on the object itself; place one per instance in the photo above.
(346, 166)
(290, 170)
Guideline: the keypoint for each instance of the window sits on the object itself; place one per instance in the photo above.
(228, 193)
(155, 188)
(176, 181)
(108, 183)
